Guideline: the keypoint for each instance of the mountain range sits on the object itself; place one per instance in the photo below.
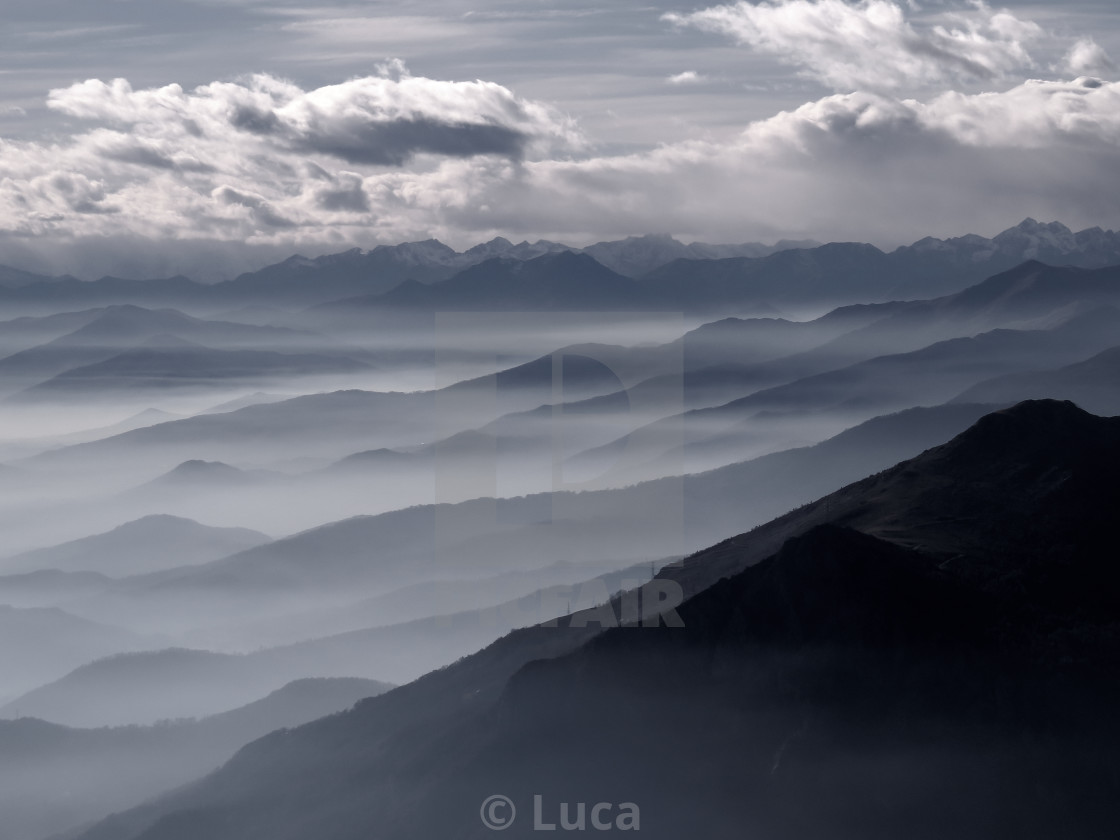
(793, 541)
(695, 276)
(930, 646)
(108, 769)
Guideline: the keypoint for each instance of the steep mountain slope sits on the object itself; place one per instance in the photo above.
(927, 652)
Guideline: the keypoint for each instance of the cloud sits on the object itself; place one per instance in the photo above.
(1033, 115)
(380, 120)
(259, 209)
(842, 167)
(248, 164)
(688, 77)
(1088, 58)
(871, 45)
(346, 193)
(262, 161)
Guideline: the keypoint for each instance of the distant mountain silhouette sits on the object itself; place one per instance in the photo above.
(708, 436)
(67, 291)
(1093, 383)
(562, 280)
(256, 398)
(638, 255)
(143, 545)
(119, 329)
(166, 362)
(198, 472)
(146, 686)
(837, 273)
(109, 769)
(49, 587)
(692, 276)
(147, 417)
(14, 278)
(925, 650)
(595, 526)
(44, 643)
(327, 424)
(346, 274)
(142, 688)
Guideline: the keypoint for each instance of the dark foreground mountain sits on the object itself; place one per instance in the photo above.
(930, 652)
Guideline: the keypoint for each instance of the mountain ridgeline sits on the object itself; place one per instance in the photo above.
(786, 541)
(928, 651)
(695, 278)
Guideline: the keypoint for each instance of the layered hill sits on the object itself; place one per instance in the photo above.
(107, 769)
(144, 545)
(929, 650)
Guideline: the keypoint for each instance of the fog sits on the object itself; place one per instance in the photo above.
(199, 508)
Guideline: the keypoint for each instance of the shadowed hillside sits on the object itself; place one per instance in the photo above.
(928, 652)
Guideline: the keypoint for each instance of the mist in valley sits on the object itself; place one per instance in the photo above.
(219, 521)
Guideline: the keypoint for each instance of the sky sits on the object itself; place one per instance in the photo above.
(206, 137)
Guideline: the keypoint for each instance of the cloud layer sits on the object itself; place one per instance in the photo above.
(266, 164)
(245, 160)
(871, 45)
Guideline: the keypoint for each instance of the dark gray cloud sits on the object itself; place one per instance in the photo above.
(394, 143)
(255, 120)
(349, 197)
(261, 210)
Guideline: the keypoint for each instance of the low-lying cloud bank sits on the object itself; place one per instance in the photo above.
(395, 156)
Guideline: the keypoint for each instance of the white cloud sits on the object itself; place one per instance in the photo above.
(1088, 58)
(263, 161)
(270, 166)
(687, 77)
(853, 163)
(379, 120)
(1034, 115)
(871, 45)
